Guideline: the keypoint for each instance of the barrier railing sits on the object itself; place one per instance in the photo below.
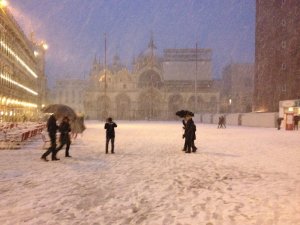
(16, 135)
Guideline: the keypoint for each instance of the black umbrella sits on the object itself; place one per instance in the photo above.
(60, 111)
(184, 113)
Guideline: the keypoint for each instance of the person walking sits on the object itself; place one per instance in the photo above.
(296, 120)
(223, 121)
(185, 147)
(183, 136)
(65, 129)
(52, 129)
(190, 134)
(220, 122)
(279, 120)
(110, 134)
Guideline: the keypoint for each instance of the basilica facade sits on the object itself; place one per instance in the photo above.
(155, 88)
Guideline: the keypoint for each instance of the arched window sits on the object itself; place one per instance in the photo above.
(149, 78)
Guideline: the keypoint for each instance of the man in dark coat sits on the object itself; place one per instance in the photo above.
(296, 120)
(190, 134)
(110, 134)
(65, 129)
(51, 128)
(185, 142)
(185, 147)
(279, 119)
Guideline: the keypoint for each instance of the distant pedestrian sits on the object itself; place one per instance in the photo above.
(296, 120)
(223, 122)
(279, 120)
(52, 129)
(220, 122)
(65, 129)
(110, 134)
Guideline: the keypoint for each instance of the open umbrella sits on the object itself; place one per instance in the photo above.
(60, 111)
(77, 126)
(183, 113)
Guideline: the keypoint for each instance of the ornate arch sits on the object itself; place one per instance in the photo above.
(200, 105)
(150, 104)
(175, 103)
(123, 104)
(213, 104)
(103, 107)
(149, 78)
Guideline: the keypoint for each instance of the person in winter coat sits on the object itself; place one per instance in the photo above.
(220, 122)
(110, 134)
(190, 134)
(51, 128)
(279, 120)
(296, 120)
(65, 129)
(185, 142)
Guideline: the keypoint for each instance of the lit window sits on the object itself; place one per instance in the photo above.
(13, 82)
(11, 53)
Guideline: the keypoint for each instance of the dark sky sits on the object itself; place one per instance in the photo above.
(74, 29)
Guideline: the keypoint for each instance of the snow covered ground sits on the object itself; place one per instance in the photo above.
(239, 176)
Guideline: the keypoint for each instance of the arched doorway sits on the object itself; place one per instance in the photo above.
(150, 104)
(103, 107)
(213, 104)
(175, 104)
(198, 107)
(149, 78)
(123, 107)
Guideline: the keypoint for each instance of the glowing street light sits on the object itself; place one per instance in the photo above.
(3, 3)
(45, 46)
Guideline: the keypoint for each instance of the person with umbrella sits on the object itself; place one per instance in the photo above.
(190, 133)
(189, 129)
(65, 129)
(51, 128)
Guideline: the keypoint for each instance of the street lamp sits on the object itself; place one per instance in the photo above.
(36, 53)
(230, 106)
(3, 3)
(45, 46)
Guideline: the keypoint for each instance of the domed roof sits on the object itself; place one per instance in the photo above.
(151, 50)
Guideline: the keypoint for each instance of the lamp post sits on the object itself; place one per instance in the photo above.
(230, 105)
(3, 4)
(105, 80)
(195, 110)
